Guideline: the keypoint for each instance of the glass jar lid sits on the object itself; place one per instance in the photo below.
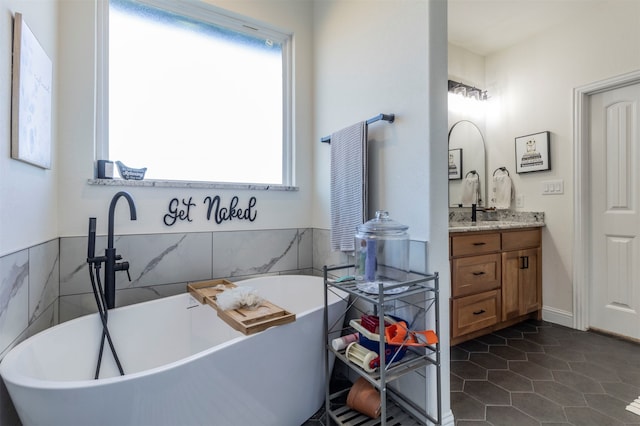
(382, 225)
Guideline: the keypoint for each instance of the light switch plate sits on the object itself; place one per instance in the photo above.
(553, 187)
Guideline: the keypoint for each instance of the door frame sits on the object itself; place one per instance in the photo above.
(582, 282)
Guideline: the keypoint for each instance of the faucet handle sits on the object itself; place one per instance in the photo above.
(123, 266)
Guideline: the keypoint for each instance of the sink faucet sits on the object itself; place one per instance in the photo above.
(111, 264)
(475, 209)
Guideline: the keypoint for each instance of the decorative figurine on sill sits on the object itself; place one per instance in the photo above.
(129, 173)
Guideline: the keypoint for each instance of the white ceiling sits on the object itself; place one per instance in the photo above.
(487, 26)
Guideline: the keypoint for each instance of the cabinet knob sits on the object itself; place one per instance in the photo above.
(478, 273)
(479, 243)
(480, 312)
(524, 262)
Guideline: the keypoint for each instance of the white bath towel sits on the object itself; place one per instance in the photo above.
(470, 189)
(348, 184)
(502, 190)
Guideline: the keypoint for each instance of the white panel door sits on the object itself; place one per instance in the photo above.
(615, 211)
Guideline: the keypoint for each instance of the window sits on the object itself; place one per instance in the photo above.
(195, 94)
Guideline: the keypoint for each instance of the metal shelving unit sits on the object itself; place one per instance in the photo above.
(396, 409)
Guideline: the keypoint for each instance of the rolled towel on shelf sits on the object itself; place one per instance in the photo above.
(470, 188)
(502, 188)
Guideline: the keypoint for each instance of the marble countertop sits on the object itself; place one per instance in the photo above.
(495, 221)
(491, 225)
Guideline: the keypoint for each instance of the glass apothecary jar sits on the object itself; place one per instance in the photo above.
(382, 253)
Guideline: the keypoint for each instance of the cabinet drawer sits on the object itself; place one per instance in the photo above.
(475, 312)
(475, 274)
(516, 240)
(462, 245)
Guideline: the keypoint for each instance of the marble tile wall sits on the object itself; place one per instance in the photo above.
(29, 285)
(162, 264)
(29, 288)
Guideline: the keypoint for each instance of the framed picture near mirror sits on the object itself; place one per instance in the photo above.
(455, 164)
(532, 153)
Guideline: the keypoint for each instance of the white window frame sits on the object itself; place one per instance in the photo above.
(205, 12)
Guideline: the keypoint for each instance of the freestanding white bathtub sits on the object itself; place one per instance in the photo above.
(183, 365)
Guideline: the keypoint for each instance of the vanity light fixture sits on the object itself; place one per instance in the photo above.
(467, 91)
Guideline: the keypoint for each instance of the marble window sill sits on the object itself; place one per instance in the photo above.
(188, 184)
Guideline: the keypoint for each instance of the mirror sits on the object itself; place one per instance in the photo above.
(466, 156)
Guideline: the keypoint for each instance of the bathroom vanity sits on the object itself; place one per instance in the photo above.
(496, 275)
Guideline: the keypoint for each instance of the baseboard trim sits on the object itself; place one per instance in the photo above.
(447, 419)
(557, 316)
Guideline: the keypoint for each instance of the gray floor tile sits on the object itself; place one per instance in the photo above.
(531, 370)
(564, 353)
(474, 346)
(548, 361)
(508, 353)
(623, 391)
(489, 361)
(585, 416)
(465, 407)
(578, 382)
(559, 393)
(612, 407)
(595, 371)
(510, 381)
(554, 376)
(456, 383)
(509, 416)
(538, 407)
(468, 370)
(509, 333)
(492, 339)
(525, 345)
(487, 392)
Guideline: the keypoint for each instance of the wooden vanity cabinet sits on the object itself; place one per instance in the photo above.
(495, 280)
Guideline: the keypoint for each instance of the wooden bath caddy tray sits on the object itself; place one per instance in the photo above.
(247, 321)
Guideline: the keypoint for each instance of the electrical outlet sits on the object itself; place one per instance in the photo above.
(519, 201)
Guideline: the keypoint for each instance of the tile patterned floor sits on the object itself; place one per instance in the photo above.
(541, 374)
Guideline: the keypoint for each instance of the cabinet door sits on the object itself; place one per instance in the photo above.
(530, 281)
(521, 279)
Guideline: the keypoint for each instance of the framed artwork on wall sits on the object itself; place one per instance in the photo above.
(30, 98)
(455, 164)
(532, 153)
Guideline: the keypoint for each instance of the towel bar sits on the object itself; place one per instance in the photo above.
(384, 117)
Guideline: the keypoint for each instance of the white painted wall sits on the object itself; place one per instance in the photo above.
(466, 67)
(372, 59)
(389, 57)
(78, 201)
(533, 84)
(28, 194)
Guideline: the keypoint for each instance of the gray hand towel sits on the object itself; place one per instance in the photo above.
(348, 184)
